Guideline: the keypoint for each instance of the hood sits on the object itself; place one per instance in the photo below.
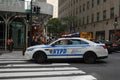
(39, 46)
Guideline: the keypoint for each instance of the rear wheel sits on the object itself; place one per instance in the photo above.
(89, 58)
(40, 57)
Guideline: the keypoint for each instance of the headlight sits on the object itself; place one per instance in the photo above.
(31, 49)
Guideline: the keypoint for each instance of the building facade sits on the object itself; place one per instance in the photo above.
(13, 20)
(95, 16)
(55, 7)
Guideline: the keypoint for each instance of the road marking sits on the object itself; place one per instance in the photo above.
(36, 69)
(22, 64)
(23, 70)
(42, 74)
(53, 64)
(13, 62)
(84, 77)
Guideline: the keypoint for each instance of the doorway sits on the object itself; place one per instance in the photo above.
(17, 32)
(2, 33)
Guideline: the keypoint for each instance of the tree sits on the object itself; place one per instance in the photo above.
(70, 22)
(55, 27)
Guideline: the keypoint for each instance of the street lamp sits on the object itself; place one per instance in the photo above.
(36, 10)
(30, 25)
(115, 30)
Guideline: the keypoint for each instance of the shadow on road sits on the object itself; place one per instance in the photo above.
(71, 61)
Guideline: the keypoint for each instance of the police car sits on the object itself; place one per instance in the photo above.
(65, 48)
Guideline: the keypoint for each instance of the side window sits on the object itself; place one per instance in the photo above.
(69, 42)
(83, 42)
(61, 42)
(57, 43)
(65, 42)
(75, 42)
(78, 42)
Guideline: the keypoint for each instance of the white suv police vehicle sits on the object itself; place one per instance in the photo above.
(65, 48)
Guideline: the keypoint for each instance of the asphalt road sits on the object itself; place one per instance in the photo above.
(106, 69)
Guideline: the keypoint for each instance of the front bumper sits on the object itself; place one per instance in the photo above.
(28, 55)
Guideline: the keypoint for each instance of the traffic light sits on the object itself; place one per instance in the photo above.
(115, 19)
(34, 9)
(115, 22)
(38, 10)
(27, 17)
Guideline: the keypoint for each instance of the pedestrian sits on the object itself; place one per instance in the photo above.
(41, 40)
(10, 44)
(34, 41)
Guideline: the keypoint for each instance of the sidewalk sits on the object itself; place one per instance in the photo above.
(13, 54)
(3, 52)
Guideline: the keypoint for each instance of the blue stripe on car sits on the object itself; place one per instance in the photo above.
(65, 54)
(83, 45)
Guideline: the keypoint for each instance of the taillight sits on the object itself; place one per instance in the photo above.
(114, 45)
(104, 46)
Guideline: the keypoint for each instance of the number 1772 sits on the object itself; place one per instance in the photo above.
(59, 51)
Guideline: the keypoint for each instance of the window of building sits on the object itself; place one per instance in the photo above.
(83, 20)
(119, 10)
(73, 1)
(76, 11)
(112, 13)
(98, 2)
(88, 5)
(83, 7)
(79, 21)
(92, 3)
(80, 9)
(104, 14)
(104, 0)
(98, 16)
(87, 19)
(1, 1)
(76, 1)
(92, 18)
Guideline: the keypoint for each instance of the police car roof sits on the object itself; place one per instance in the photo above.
(76, 38)
(72, 38)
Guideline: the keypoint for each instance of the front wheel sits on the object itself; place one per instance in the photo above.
(39, 57)
(89, 58)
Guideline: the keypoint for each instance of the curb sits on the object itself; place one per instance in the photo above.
(7, 52)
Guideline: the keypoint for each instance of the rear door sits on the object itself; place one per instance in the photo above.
(77, 48)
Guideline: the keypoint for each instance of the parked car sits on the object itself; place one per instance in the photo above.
(116, 46)
(110, 47)
(65, 48)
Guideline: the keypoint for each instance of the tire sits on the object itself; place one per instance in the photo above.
(89, 58)
(40, 57)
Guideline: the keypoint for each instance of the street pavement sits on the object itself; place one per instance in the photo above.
(12, 55)
(14, 66)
